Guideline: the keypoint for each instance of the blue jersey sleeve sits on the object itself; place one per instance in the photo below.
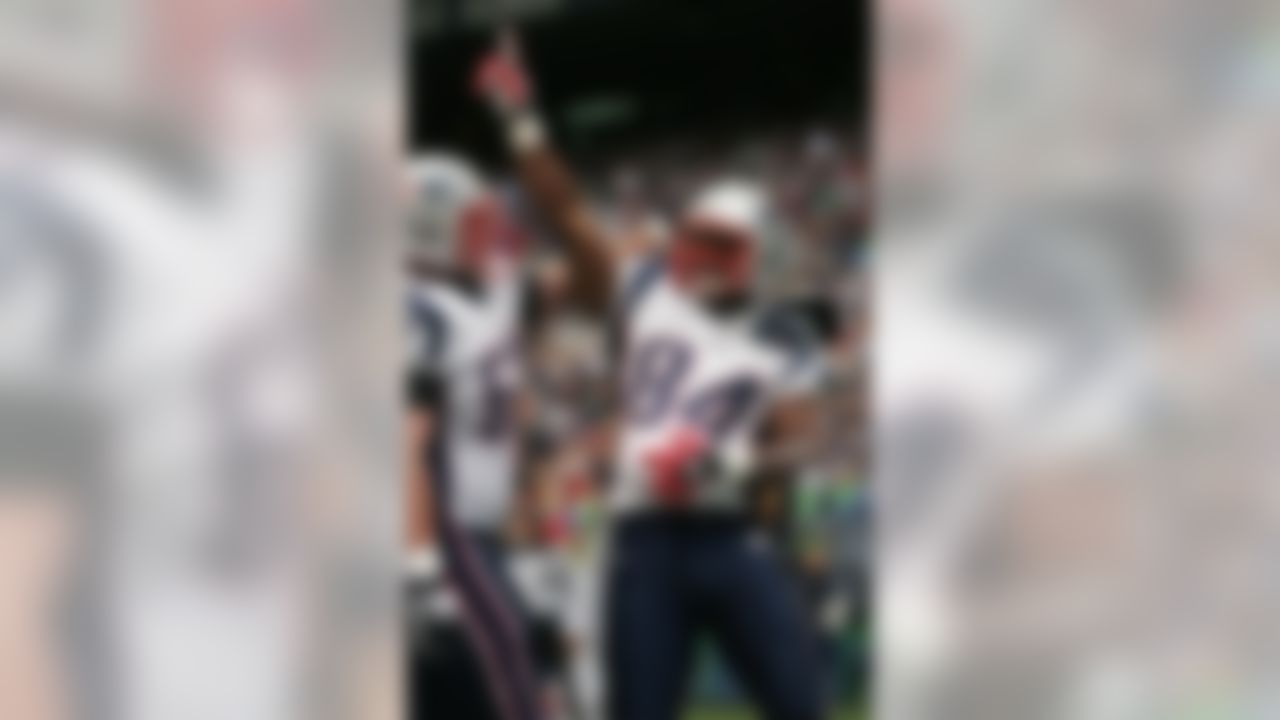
(429, 335)
(639, 277)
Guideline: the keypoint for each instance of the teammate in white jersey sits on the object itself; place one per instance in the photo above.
(471, 307)
(465, 310)
(465, 317)
(716, 389)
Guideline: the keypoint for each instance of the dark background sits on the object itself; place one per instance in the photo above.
(612, 75)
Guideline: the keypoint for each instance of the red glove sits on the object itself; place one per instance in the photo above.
(501, 79)
(673, 467)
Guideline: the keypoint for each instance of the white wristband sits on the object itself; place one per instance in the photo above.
(526, 132)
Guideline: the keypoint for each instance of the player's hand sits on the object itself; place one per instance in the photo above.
(501, 78)
(424, 588)
(678, 468)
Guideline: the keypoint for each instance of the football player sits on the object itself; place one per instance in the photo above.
(716, 389)
(466, 304)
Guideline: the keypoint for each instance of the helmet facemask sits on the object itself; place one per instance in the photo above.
(713, 264)
(714, 253)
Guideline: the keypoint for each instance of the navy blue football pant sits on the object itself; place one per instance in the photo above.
(494, 626)
(675, 579)
(496, 659)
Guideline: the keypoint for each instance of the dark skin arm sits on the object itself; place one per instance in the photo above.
(502, 80)
(590, 279)
(789, 435)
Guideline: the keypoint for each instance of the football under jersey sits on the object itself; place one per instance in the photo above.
(468, 339)
(688, 368)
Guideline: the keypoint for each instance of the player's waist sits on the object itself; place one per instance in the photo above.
(633, 494)
(665, 526)
(481, 506)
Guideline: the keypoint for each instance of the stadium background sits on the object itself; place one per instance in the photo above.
(648, 98)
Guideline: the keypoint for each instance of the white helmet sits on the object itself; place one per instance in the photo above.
(715, 255)
(443, 188)
(736, 205)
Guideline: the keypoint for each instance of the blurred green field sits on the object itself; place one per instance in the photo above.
(719, 713)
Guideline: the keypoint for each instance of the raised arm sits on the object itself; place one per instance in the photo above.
(503, 81)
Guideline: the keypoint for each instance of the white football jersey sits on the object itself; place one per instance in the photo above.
(687, 368)
(470, 341)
